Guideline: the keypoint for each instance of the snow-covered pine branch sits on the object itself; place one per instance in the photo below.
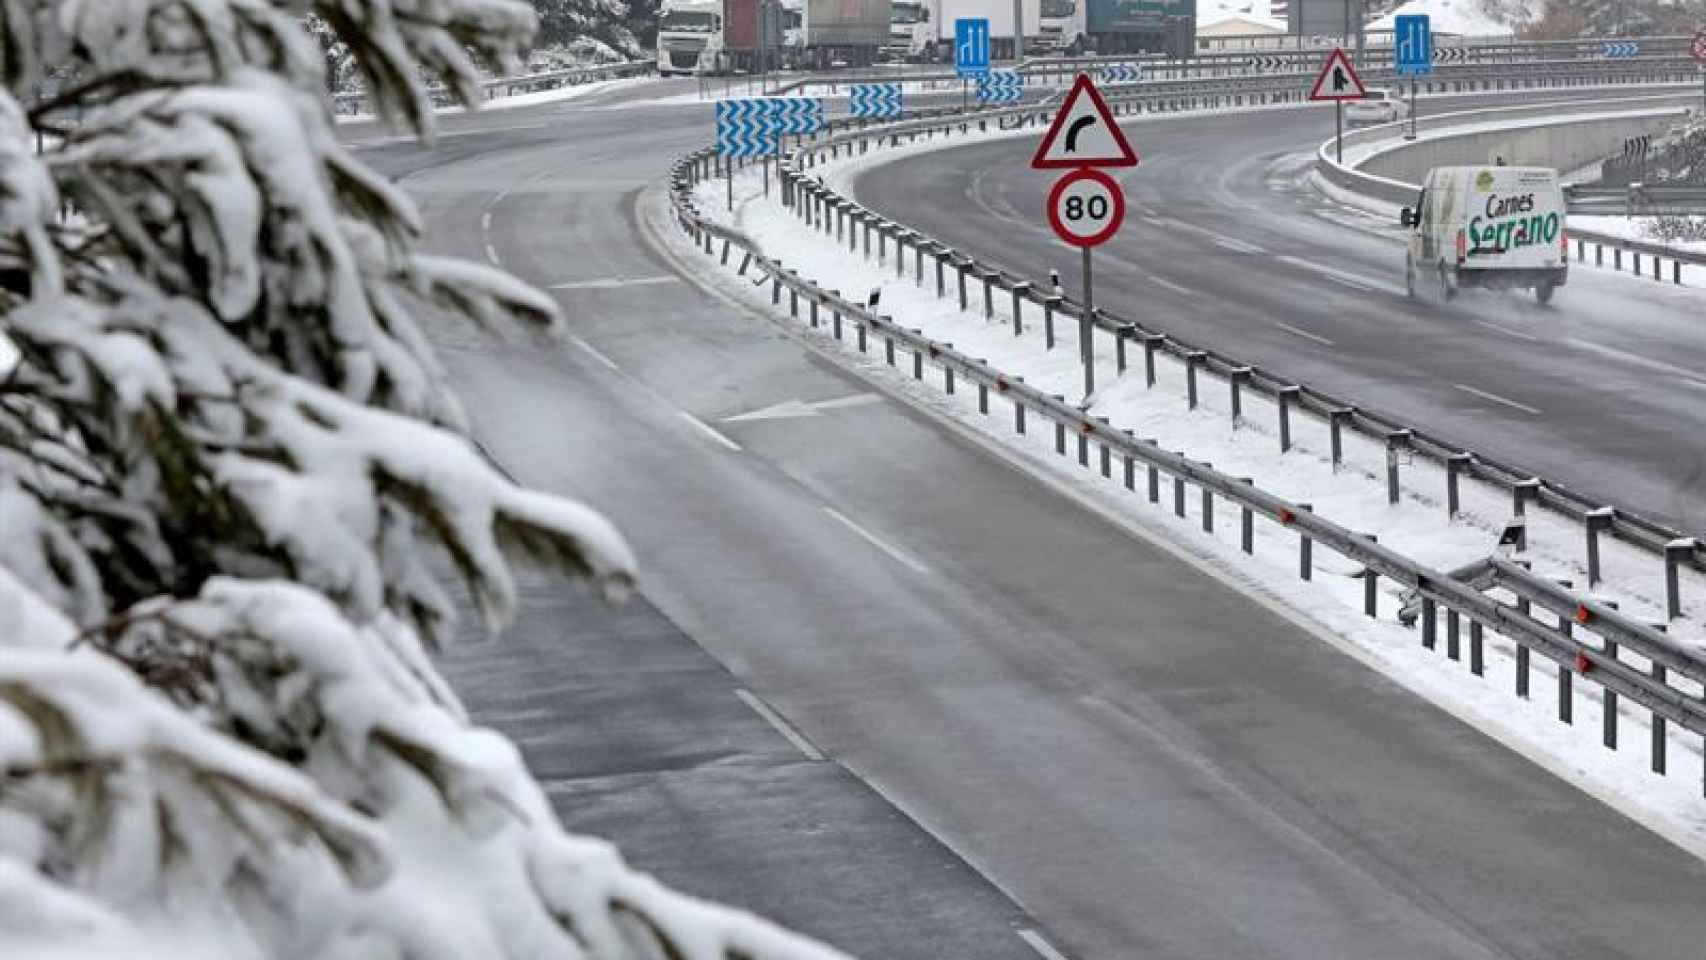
(229, 463)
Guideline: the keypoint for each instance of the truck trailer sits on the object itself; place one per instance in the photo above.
(1142, 26)
(822, 34)
(933, 33)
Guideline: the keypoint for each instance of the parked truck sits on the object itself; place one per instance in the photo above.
(821, 34)
(1142, 26)
(1063, 29)
(912, 31)
(689, 32)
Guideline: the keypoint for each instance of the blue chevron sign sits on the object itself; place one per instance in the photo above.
(1119, 73)
(796, 115)
(876, 100)
(1000, 86)
(1622, 48)
(744, 128)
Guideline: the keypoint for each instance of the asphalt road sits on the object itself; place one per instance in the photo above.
(1603, 390)
(1145, 761)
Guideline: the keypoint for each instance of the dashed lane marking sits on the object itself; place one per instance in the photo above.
(595, 354)
(608, 283)
(1043, 948)
(710, 431)
(899, 556)
(1484, 395)
(781, 724)
(1305, 334)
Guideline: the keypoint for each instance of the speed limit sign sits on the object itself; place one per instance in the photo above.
(1086, 207)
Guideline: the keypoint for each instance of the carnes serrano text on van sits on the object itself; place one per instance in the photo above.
(1518, 231)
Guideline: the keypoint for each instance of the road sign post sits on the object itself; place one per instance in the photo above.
(1413, 55)
(1085, 207)
(1338, 82)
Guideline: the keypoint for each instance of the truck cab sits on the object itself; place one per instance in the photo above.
(1063, 27)
(912, 34)
(690, 36)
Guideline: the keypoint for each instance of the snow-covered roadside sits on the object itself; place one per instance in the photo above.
(1354, 496)
(555, 95)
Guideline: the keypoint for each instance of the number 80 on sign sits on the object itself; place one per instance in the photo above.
(1086, 208)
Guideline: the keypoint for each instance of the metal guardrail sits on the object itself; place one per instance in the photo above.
(351, 103)
(1637, 199)
(1601, 651)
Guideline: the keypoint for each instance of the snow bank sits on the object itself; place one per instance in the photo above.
(1463, 18)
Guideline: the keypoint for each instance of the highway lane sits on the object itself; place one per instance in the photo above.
(1222, 245)
(1144, 759)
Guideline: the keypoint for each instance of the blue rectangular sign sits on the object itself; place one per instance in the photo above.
(1413, 45)
(971, 46)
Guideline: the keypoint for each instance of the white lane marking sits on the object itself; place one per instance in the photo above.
(781, 724)
(596, 355)
(841, 403)
(1288, 328)
(492, 254)
(1525, 408)
(1237, 246)
(1170, 285)
(1688, 376)
(613, 282)
(1345, 281)
(710, 431)
(789, 409)
(1043, 948)
(1508, 331)
(486, 222)
(1354, 280)
(899, 556)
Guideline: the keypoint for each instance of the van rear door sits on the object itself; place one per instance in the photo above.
(1515, 218)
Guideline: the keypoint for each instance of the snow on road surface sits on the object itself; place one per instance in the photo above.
(1353, 495)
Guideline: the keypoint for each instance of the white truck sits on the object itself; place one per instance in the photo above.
(823, 34)
(912, 33)
(924, 29)
(1062, 27)
(688, 31)
(1495, 227)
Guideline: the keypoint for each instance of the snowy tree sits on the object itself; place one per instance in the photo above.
(1570, 19)
(563, 23)
(232, 486)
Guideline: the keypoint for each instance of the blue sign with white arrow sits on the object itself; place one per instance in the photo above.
(1413, 45)
(971, 46)
(1622, 48)
(1000, 86)
(875, 100)
(1119, 73)
(745, 128)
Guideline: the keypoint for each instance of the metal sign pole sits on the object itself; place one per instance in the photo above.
(1412, 135)
(729, 170)
(1087, 346)
(1339, 130)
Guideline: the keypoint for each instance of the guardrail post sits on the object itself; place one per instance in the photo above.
(1305, 549)
(1599, 254)
(918, 263)
(1050, 303)
(1456, 464)
(814, 303)
(1019, 290)
(1658, 722)
(1178, 490)
(1677, 553)
(1107, 455)
(1617, 259)
(1596, 520)
(1566, 700)
(1130, 468)
(1207, 505)
(1522, 607)
(1018, 416)
(1235, 380)
(865, 221)
(1122, 333)
(1608, 722)
(1335, 426)
(1477, 657)
(1287, 397)
(948, 376)
(988, 277)
(776, 287)
(960, 272)
(1429, 628)
(942, 255)
(1581, 251)
(1370, 586)
(1637, 255)
(1154, 480)
(1192, 360)
(882, 243)
(1247, 522)
(1151, 342)
(859, 325)
(1451, 633)
(1676, 272)
(1059, 434)
(1083, 449)
(794, 300)
(983, 398)
(724, 259)
(888, 342)
(1396, 442)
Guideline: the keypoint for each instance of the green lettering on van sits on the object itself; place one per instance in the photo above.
(1549, 230)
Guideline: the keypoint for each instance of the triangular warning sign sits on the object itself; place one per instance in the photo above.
(1084, 134)
(1337, 80)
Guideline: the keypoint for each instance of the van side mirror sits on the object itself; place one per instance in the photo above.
(1406, 218)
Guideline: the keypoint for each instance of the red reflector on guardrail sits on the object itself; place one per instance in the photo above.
(1583, 614)
(1583, 664)
(1001, 384)
(1087, 429)
(1286, 516)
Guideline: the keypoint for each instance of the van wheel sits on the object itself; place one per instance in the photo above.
(1409, 276)
(1543, 292)
(1447, 288)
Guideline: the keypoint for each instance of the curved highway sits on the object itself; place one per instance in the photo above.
(1111, 752)
(1223, 244)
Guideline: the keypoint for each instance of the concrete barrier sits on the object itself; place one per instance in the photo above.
(1565, 144)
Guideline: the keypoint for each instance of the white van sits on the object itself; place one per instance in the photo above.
(1495, 227)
